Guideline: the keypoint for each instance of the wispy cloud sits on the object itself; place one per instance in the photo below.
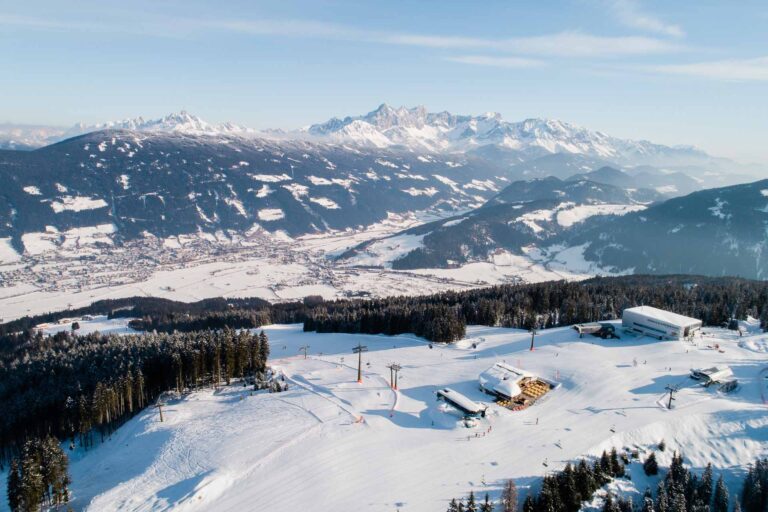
(498, 62)
(733, 70)
(630, 14)
(578, 44)
(560, 44)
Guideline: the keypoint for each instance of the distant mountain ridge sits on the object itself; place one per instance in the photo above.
(525, 213)
(443, 131)
(721, 231)
(416, 129)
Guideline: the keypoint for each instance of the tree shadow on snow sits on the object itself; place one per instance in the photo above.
(182, 490)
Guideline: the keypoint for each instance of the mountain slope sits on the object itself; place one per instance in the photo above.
(667, 183)
(720, 231)
(523, 214)
(715, 232)
(169, 183)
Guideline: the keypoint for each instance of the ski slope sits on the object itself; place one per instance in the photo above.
(330, 443)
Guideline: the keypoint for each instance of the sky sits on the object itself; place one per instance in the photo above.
(683, 72)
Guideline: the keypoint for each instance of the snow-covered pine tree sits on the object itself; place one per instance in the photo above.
(609, 505)
(721, 496)
(509, 497)
(662, 500)
(705, 485)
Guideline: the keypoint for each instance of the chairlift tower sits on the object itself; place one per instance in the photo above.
(359, 349)
(393, 369)
(672, 390)
(304, 349)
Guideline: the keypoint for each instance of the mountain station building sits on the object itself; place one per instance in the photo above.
(659, 323)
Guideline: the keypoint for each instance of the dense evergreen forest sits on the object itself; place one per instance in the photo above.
(442, 317)
(78, 387)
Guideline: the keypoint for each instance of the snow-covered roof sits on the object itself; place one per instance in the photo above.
(460, 400)
(664, 316)
(716, 373)
(503, 379)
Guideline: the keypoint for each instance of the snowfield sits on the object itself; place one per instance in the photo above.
(77, 204)
(329, 443)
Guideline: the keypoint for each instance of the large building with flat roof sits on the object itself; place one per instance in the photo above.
(659, 323)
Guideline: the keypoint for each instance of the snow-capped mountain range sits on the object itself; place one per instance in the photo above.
(180, 122)
(25, 137)
(417, 129)
(413, 129)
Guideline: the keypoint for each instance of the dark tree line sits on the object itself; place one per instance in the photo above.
(233, 319)
(443, 316)
(39, 476)
(164, 315)
(78, 387)
(543, 305)
(435, 322)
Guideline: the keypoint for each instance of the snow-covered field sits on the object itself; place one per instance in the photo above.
(330, 443)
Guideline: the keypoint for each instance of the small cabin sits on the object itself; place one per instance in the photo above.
(600, 329)
(713, 375)
(469, 408)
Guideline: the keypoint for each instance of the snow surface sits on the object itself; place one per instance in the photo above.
(77, 204)
(329, 443)
(383, 252)
(269, 214)
(271, 178)
(325, 202)
(7, 253)
(580, 213)
(98, 323)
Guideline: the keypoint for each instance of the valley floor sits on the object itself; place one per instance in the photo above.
(330, 443)
(259, 264)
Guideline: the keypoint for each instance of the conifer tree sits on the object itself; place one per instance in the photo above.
(486, 505)
(609, 505)
(263, 350)
(509, 497)
(648, 502)
(721, 496)
(528, 504)
(705, 485)
(677, 502)
(650, 466)
(662, 500)
(14, 486)
(471, 504)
